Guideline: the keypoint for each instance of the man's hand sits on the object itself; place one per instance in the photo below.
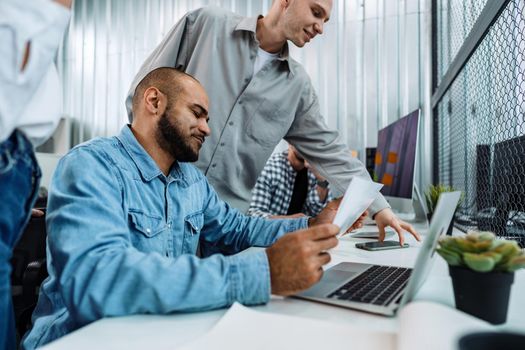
(291, 216)
(296, 259)
(36, 213)
(327, 215)
(386, 218)
(65, 3)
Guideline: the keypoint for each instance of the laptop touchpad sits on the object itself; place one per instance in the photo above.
(331, 280)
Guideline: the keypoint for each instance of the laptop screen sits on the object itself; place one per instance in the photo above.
(441, 219)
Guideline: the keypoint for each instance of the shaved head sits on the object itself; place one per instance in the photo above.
(167, 80)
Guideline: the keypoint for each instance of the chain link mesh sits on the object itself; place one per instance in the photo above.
(455, 21)
(481, 123)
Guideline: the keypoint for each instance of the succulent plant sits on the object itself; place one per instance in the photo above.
(481, 252)
(433, 193)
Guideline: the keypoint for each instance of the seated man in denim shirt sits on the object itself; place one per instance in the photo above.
(126, 214)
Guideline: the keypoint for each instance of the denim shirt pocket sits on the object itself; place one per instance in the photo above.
(146, 232)
(193, 227)
(148, 225)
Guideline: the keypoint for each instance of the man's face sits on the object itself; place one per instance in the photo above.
(304, 19)
(182, 128)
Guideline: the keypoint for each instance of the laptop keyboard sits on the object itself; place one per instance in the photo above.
(377, 285)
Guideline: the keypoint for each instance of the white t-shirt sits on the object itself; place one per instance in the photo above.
(262, 58)
(28, 98)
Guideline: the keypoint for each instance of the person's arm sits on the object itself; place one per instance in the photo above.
(317, 197)
(324, 149)
(233, 232)
(30, 33)
(173, 51)
(102, 274)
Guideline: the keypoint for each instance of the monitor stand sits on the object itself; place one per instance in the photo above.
(420, 209)
(410, 211)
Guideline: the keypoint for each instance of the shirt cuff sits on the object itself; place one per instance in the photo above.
(302, 223)
(250, 278)
(377, 205)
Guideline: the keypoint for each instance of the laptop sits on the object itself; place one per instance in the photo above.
(383, 289)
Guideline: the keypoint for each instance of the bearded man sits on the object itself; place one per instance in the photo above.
(126, 214)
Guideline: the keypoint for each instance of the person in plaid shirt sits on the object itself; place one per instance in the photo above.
(272, 193)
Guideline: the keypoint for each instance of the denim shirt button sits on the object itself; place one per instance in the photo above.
(148, 230)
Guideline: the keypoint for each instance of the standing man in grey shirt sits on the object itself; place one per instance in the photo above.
(258, 96)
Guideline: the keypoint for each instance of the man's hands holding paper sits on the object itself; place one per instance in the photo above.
(296, 260)
(386, 218)
(327, 215)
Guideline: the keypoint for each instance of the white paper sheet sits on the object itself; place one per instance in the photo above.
(431, 326)
(358, 197)
(245, 328)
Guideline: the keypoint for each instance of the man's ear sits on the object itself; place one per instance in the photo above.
(153, 99)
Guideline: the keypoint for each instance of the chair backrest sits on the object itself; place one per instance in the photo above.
(28, 271)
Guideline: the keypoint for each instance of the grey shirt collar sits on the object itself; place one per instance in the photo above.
(249, 24)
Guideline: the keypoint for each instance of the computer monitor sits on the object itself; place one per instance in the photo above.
(508, 187)
(395, 160)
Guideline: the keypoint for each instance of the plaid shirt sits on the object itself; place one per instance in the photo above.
(273, 191)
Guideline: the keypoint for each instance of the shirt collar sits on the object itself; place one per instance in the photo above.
(249, 24)
(145, 164)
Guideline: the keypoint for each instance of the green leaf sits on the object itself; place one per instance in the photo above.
(449, 243)
(516, 263)
(466, 246)
(452, 258)
(508, 250)
(480, 263)
(495, 256)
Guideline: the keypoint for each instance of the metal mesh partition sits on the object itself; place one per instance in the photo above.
(456, 19)
(481, 127)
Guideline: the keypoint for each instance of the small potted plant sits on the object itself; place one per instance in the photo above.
(482, 271)
(432, 196)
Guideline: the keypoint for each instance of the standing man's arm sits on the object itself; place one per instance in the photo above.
(327, 152)
(171, 52)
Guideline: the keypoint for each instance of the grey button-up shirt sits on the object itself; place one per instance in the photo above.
(250, 114)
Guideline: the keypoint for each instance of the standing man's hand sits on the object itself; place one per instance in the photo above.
(386, 218)
(296, 259)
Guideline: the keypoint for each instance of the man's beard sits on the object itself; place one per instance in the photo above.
(172, 140)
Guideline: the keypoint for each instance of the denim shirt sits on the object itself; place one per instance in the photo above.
(122, 239)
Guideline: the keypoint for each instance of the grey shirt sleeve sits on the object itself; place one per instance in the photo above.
(325, 149)
(171, 52)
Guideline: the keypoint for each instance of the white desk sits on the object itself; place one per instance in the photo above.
(171, 331)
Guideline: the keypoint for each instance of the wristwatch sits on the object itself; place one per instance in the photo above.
(322, 184)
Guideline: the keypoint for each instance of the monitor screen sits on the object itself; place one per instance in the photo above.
(396, 156)
(509, 181)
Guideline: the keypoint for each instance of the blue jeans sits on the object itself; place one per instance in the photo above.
(19, 180)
